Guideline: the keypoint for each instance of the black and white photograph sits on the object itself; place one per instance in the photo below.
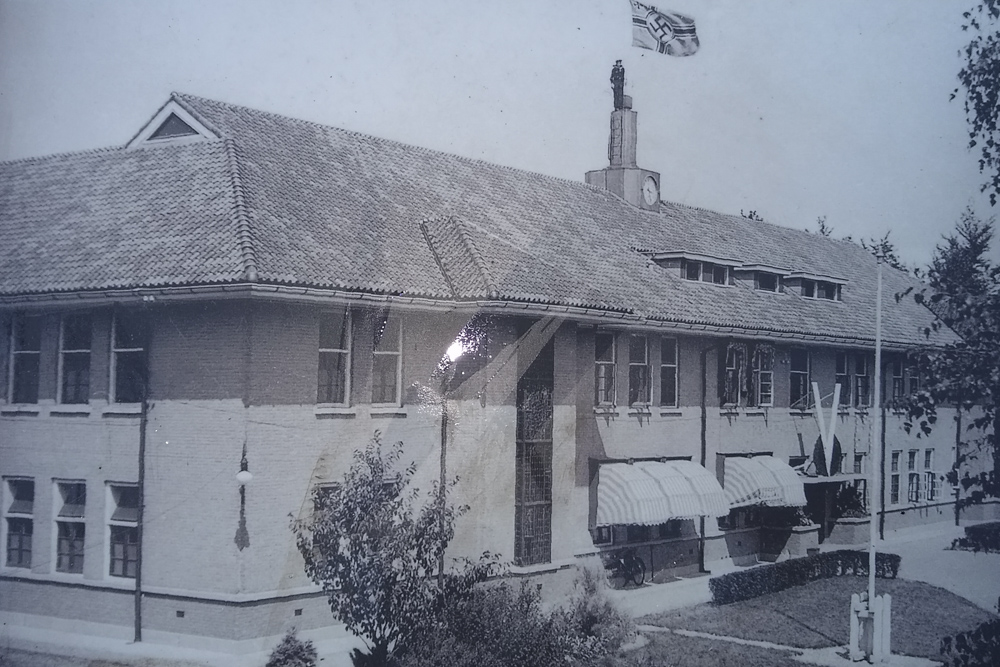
(590, 333)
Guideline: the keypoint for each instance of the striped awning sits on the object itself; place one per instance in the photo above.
(762, 480)
(653, 492)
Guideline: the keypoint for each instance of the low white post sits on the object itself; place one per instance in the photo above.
(877, 628)
(854, 646)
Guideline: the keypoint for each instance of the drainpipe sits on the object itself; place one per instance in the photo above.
(881, 485)
(141, 491)
(704, 446)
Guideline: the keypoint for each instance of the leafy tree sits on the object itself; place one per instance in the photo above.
(980, 78)
(375, 552)
(885, 250)
(964, 295)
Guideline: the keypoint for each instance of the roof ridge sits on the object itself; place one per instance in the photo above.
(477, 258)
(244, 232)
(383, 140)
(51, 156)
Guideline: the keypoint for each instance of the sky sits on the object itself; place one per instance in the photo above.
(794, 109)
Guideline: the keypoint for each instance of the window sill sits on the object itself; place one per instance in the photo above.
(335, 411)
(122, 409)
(387, 412)
(606, 410)
(670, 412)
(641, 410)
(21, 410)
(71, 410)
(797, 412)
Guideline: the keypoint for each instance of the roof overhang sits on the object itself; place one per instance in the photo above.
(818, 277)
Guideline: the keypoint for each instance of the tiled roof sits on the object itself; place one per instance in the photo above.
(283, 201)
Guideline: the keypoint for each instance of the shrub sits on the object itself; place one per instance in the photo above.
(293, 652)
(591, 620)
(775, 577)
(850, 504)
(977, 648)
(980, 537)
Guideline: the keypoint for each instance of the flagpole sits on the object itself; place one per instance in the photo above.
(876, 482)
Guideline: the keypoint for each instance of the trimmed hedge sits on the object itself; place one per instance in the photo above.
(980, 537)
(976, 648)
(747, 584)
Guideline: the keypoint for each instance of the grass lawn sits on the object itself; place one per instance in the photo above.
(678, 651)
(817, 615)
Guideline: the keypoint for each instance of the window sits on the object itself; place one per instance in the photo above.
(799, 379)
(128, 358)
(26, 350)
(670, 529)
(740, 517)
(19, 521)
(387, 360)
(668, 372)
(604, 369)
(829, 291)
(637, 533)
(911, 459)
(720, 275)
(333, 382)
(928, 459)
(691, 270)
(930, 478)
(913, 491)
(808, 288)
(732, 386)
(913, 376)
(896, 389)
(862, 398)
(763, 376)
(124, 528)
(843, 378)
(894, 478)
(74, 359)
(861, 486)
(601, 535)
(70, 529)
(767, 282)
(638, 370)
(859, 464)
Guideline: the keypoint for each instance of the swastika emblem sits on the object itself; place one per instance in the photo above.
(659, 27)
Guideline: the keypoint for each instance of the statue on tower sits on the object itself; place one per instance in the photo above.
(618, 84)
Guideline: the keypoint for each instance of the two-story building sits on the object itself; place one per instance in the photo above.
(235, 291)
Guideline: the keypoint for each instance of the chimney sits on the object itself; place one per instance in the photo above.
(639, 187)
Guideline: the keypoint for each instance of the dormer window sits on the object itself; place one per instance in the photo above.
(706, 272)
(813, 286)
(767, 282)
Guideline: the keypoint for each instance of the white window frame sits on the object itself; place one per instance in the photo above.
(897, 382)
(609, 366)
(856, 393)
(807, 395)
(758, 380)
(57, 506)
(62, 356)
(13, 352)
(847, 385)
(894, 466)
(347, 360)
(7, 497)
(113, 362)
(684, 270)
(647, 398)
(676, 366)
(398, 353)
(111, 504)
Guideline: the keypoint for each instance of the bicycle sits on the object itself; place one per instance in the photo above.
(627, 565)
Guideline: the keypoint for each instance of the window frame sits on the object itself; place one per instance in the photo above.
(686, 266)
(897, 386)
(13, 514)
(397, 320)
(347, 352)
(81, 352)
(113, 504)
(643, 393)
(842, 376)
(77, 523)
(113, 363)
(757, 285)
(12, 379)
(792, 374)
(610, 368)
(675, 367)
(757, 373)
(859, 376)
(894, 458)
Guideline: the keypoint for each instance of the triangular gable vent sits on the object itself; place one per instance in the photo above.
(171, 124)
(173, 127)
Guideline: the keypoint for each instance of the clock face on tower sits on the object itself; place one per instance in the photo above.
(650, 193)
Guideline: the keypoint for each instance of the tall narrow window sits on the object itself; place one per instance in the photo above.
(763, 376)
(604, 369)
(26, 349)
(387, 360)
(896, 389)
(334, 358)
(894, 479)
(732, 380)
(843, 378)
(128, 358)
(70, 527)
(123, 524)
(533, 461)
(799, 379)
(862, 398)
(638, 370)
(19, 518)
(930, 478)
(668, 372)
(913, 376)
(74, 359)
(913, 486)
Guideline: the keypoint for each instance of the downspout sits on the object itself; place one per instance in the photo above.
(141, 491)
(881, 486)
(704, 447)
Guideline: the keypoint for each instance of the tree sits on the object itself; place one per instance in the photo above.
(885, 250)
(964, 295)
(822, 228)
(375, 552)
(980, 77)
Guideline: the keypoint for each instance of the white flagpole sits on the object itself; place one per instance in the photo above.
(876, 481)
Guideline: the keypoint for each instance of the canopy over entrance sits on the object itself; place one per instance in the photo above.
(654, 492)
(762, 480)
